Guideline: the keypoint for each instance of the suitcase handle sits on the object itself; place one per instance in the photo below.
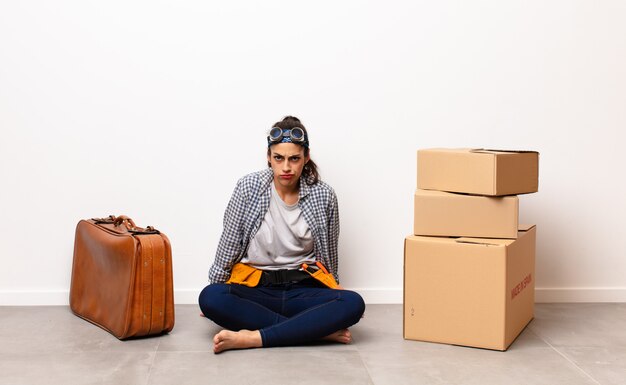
(132, 227)
(129, 223)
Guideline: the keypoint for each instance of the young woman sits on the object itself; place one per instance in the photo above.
(281, 225)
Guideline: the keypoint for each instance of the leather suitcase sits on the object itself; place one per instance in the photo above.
(122, 277)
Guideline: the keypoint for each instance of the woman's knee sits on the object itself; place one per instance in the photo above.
(209, 299)
(354, 304)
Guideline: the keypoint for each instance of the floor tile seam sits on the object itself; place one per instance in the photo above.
(154, 354)
(572, 362)
(367, 369)
(565, 345)
(542, 337)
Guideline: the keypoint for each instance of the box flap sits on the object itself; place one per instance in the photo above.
(435, 193)
(494, 151)
(485, 241)
(525, 227)
(493, 241)
(445, 149)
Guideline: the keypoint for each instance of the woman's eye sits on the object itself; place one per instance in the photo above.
(294, 158)
(278, 158)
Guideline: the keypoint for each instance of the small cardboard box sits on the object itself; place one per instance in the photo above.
(478, 171)
(469, 291)
(439, 213)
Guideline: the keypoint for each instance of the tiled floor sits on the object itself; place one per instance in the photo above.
(565, 344)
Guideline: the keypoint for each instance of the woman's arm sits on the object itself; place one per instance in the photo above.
(229, 247)
(333, 235)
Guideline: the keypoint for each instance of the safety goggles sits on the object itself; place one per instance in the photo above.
(294, 135)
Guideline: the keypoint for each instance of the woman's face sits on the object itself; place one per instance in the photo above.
(287, 161)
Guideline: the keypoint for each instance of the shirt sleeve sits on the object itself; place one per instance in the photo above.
(230, 244)
(333, 235)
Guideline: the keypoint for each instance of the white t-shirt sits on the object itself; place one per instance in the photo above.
(283, 241)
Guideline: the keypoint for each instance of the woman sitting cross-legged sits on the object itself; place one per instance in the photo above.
(274, 278)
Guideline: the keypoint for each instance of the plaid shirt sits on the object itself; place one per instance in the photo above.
(246, 210)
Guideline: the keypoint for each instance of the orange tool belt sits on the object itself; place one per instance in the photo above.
(319, 272)
(244, 274)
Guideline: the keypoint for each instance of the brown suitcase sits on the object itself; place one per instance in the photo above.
(122, 277)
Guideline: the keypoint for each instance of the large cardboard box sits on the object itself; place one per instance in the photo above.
(477, 171)
(469, 291)
(440, 213)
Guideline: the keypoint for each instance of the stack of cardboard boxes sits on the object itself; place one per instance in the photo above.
(469, 268)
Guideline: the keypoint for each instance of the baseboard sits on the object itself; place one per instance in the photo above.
(34, 297)
(370, 295)
(577, 294)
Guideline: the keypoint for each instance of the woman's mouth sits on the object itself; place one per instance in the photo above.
(286, 176)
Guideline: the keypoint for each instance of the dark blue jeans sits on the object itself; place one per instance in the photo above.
(286, 314)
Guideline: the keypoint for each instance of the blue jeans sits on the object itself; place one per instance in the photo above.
(286, 314)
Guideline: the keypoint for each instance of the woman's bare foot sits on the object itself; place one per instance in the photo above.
(342, 336)
(243, 339)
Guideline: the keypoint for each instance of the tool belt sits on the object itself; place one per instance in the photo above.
(243, 274)
(319, 272)
(276, 277)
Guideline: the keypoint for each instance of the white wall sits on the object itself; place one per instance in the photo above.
(155, 108)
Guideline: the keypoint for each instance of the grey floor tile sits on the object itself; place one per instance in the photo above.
(300, 365)
(380, 324)
(606, 365)
(581, 325)
(564, 344)
(446, 364)
(383, 325)
(191, 332)
(56, 329)
(382, 318)
(75, 368)
(392, 360)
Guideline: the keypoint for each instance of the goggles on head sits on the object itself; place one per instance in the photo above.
(294, 135)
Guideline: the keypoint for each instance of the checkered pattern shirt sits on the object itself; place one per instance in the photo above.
(246, 210)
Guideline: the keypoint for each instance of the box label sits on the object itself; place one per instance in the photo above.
(521, 286)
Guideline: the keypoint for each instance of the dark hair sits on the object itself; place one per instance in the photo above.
(309, 173)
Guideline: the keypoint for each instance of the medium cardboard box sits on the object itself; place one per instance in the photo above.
(477, 171)
(439, 213)
(469, 291)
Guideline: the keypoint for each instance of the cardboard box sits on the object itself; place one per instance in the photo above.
(440, 213)
(477, 171)
(469, 291)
